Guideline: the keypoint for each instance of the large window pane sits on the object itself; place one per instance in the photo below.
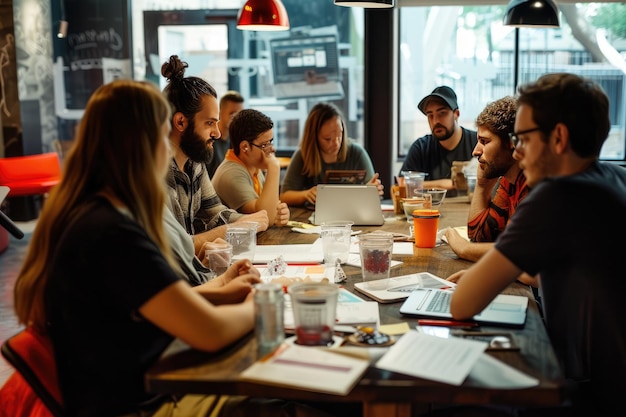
(468, 48)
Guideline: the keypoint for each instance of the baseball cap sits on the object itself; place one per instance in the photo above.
(444, 93)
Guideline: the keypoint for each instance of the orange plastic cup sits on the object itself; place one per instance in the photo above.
(425, 226)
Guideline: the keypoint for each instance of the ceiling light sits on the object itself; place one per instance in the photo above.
(371, 4)
(264, 15)
(532, 13)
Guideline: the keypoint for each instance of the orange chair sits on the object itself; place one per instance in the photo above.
(30, 174)
(32, 355)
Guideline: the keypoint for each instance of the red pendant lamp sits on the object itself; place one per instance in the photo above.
(267, 15)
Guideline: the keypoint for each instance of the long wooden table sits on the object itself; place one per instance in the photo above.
(383, 393)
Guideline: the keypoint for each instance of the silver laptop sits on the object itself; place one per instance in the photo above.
(354, 202)
(504, 310)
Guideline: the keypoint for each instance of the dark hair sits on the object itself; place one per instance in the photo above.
(184, 93)
(579, 103)
(231, 96)
(499, 118)
(248, 124)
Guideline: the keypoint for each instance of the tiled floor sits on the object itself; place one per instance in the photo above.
(10, 263)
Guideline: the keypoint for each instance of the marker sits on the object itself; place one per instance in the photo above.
(448, 323)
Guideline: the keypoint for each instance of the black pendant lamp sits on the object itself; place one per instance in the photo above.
(371, 4)
(532, 13)
(263, 15)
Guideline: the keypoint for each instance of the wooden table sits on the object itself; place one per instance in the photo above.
(383, 393)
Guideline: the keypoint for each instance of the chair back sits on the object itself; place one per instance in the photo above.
(31, 354)
(30, 174)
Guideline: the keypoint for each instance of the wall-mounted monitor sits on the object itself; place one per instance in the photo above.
(306, 67)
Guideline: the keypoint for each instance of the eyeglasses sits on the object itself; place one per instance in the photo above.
(515, 135)
(263, 146)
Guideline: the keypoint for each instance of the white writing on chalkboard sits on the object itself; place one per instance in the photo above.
(110, 37)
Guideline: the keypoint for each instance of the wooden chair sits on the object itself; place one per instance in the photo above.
(31, 354)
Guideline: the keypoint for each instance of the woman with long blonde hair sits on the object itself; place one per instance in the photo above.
(100, 279)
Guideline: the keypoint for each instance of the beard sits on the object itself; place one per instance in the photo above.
(494, 169)
(196, 148)
(447, 134)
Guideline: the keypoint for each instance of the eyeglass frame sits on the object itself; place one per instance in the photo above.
(263, 146)
(514, 136)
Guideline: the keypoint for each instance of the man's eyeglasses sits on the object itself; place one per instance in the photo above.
(515, 135)
(263, 146)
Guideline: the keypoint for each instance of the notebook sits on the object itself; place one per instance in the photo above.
(357, 203)
(504, 310)
(345, 176)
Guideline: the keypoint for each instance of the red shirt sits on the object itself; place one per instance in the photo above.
(488, 224)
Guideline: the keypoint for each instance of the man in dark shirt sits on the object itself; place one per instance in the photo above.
(565, 230)
(434, 153)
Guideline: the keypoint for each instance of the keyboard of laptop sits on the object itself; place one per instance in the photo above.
(440, 303)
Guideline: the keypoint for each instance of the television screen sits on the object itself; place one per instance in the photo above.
(306, 66)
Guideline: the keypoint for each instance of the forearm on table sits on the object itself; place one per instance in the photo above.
(208, 236)
(471, 251)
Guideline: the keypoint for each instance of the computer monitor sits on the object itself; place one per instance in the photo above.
(306, 66)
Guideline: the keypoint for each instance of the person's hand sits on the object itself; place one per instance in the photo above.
(376, 181)
(240, 267)
(282, 214)
(238, 281)
(215, 244)
(311, 195)
(448, 234)
(259, 217)
(270, 160)
(456, 276)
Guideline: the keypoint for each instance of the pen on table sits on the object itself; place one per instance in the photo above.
(448, 323)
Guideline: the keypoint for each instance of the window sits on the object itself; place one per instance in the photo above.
(323, 51)
(468, 49)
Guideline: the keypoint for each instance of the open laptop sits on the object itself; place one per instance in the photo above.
(504, 310)
(357, 203)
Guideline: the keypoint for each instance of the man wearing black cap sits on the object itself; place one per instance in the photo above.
(448, 142)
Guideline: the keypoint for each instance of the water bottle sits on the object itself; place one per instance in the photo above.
(269, 307)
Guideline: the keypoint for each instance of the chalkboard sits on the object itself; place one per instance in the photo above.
(96, 49)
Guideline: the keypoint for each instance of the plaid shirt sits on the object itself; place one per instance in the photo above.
(489, 223)
(193, 200)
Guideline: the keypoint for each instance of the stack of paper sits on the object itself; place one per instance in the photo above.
(453, 361)
(308, 368)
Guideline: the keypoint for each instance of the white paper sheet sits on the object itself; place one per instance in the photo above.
(490, 372)
(309, 253)
(431, 357)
